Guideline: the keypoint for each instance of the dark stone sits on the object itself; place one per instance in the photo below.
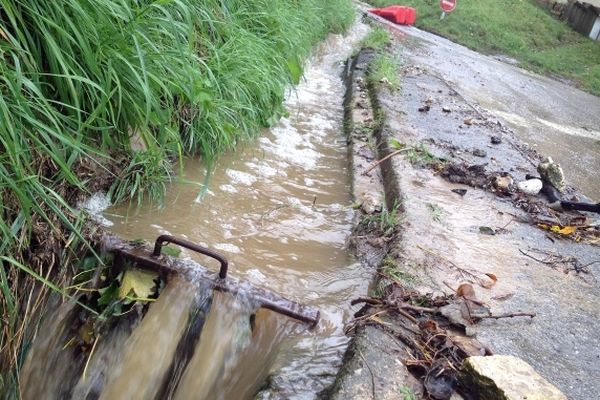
(460, 192)
(496, 140)
(479, 153)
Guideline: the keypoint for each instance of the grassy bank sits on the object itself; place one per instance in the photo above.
(517, 28)
(84, 82)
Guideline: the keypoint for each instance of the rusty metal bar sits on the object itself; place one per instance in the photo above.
(162, 239)
(165, 265)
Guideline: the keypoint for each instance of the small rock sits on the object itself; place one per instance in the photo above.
(446, 109)
(505, 377)
(425, 108)
(530, 186)
(503, 183)
(496, 140)
(468, 121)
(370, 204)
(460, 192)
(486, 230)
(552, 173)
(479, 153)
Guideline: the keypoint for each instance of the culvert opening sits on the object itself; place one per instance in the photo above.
(156, 326)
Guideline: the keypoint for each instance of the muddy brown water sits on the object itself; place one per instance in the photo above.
(279, 209)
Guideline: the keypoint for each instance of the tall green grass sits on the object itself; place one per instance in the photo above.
(84, 81)
(517, 28)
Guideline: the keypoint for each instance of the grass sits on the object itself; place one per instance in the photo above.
(419, 155)
(82, 82)
(517, 28)
(385, 221)
(407, 393)
(376, 39)
(391, 270)
(437, 212)
(384, 69)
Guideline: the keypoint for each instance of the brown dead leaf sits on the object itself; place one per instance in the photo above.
(466, 291)
(469, 346)
(488, 284)
(429, 325)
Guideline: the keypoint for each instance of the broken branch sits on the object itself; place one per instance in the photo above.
(383, 159)
(509, 315)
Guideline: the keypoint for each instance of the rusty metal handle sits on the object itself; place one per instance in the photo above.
(162, 239)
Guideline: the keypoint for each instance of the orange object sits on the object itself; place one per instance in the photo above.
(401, 15)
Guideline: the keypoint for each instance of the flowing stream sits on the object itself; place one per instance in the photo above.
(279, 208)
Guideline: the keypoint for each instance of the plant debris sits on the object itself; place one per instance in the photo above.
(563, 263)
(429, 326)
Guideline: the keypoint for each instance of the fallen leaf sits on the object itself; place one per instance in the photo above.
(466, 291)
(396, 144)
(488, 284)
(469, 346)
(429, 325)
(140, 283)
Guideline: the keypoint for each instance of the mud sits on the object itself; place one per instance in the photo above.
(485, 231)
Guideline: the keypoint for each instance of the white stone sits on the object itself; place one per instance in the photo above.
(530, 186)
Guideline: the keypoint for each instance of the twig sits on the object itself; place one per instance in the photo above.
(408, 316)
(407, 306)
(509, 315)
(87, 363)
(592, 263)
(371, 372)
(368, 300)
(383, 159)
(533, 258)
(509, 222)
(466, 274)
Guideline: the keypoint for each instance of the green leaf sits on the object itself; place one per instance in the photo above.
(396, 144)
(109, 294)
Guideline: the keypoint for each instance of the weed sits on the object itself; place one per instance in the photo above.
(384, 69)
(407, 393)
(391, 270)
(377, 39)
(385, 221)
(363, 129)
(420, 155)
(437, 212)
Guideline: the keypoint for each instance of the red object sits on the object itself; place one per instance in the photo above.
(447, 5)
(397, 14)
